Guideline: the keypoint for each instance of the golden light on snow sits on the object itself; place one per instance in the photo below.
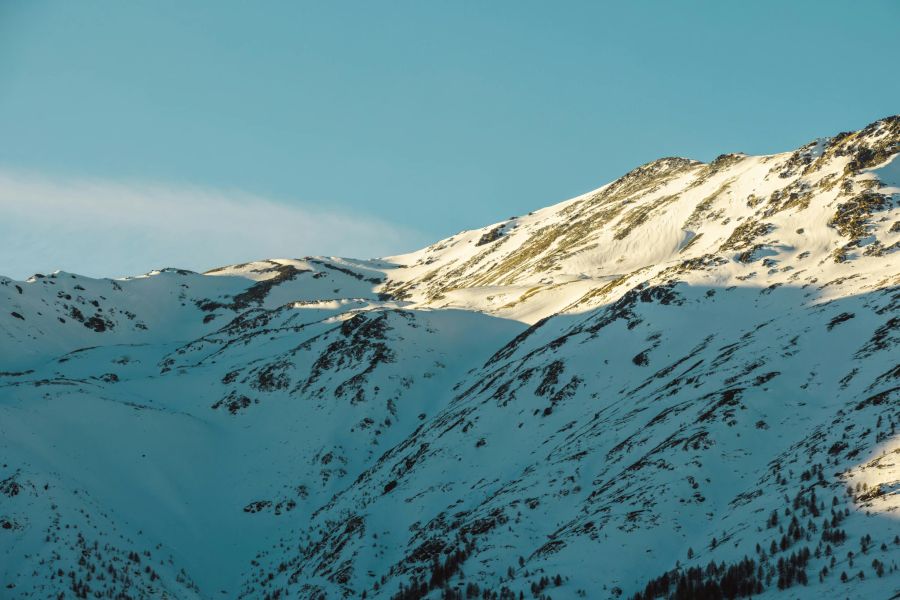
(876, 482)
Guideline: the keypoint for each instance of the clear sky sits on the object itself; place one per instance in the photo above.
(132, 132)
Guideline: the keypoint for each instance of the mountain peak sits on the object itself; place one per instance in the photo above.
(686, 377)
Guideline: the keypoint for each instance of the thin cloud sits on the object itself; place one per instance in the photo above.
(107, 228)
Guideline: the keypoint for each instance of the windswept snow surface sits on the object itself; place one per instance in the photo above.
(685, 379)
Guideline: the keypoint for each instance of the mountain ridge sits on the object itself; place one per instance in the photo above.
(682, 380)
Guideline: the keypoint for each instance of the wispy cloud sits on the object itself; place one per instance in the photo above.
(106, 228)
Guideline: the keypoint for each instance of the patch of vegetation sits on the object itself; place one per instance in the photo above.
(744, 235)
(491, 236)
(852, 218)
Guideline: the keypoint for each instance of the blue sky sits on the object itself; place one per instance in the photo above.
(404, 121)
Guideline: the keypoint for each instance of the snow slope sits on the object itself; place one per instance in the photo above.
(684, 382)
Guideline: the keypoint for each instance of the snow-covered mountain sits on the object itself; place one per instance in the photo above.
(683, 384)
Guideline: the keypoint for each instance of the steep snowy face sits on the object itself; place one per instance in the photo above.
(822, 199)
(685, 380)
